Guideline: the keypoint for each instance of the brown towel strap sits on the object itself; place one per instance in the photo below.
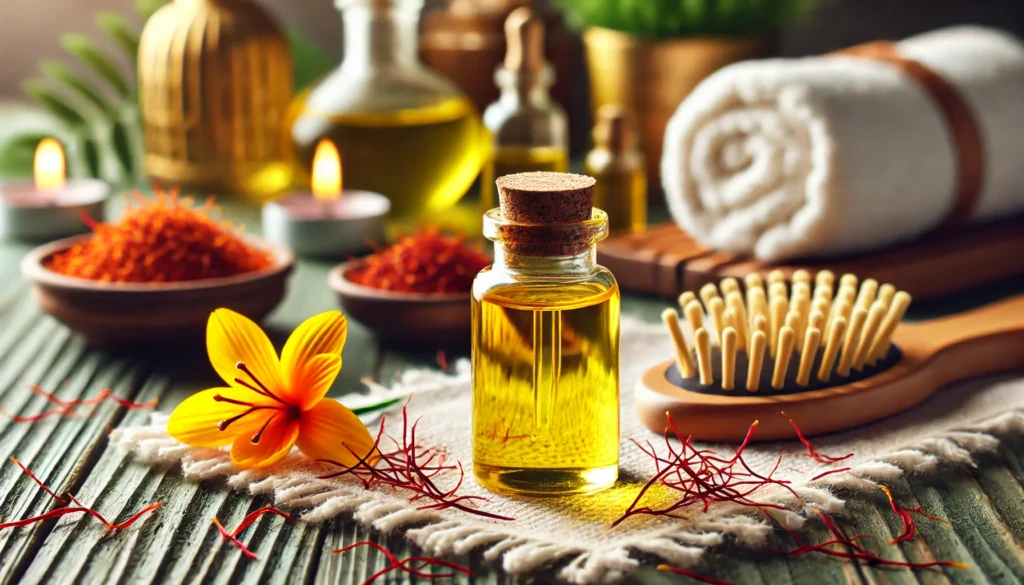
(961, 121)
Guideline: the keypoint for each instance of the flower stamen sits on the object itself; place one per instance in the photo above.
(224, 424)
(262, 388)
(256, 438)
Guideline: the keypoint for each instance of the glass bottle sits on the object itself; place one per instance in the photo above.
(620, 169)
(530, 130)
(401, 129)
(545, 346)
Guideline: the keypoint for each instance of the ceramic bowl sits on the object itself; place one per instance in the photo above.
(407, 319)
(111, 314)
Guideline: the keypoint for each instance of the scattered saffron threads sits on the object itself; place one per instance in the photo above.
(702, 477)
(163, 239)
(820, 458)
(229, 537)
(39, 482)
(442, 361)
(854, 551)
(909, 528)
(414, 469)
(58, 512)
(67, 408)
(408, 565)
(692, 575)
(830, 472)
(429, 261)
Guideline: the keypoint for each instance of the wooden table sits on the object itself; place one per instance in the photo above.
(178, 544)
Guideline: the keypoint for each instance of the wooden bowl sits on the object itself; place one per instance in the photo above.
(113, 314)
(409, 319)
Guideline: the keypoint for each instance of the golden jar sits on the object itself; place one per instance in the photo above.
(215, 82)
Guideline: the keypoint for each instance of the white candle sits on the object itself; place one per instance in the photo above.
(51, 206)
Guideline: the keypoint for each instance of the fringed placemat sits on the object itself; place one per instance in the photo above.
(573, 533)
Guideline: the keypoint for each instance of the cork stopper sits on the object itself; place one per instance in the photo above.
(616, 129)
(524, 34)
(548, 213)
(546, 197)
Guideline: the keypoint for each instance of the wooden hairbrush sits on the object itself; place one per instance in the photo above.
(830, 361)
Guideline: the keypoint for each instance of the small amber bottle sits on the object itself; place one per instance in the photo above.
(545, 343)
(620, 169)
(530, 130)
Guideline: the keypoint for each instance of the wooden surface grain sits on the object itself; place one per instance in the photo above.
(178, 543)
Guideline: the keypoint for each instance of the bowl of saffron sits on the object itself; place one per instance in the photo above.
(415, 292)
(156, 274)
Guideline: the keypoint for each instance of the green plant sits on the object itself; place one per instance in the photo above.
(682, 18)
(97, 118)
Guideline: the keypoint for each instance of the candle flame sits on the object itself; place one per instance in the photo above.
(326, 172)
(50, 170)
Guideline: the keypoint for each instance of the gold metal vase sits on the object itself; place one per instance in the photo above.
(215, 82)
(652, 77)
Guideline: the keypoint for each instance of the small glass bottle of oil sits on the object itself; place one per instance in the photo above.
(545, 343)
(530, 130)
(401, 129)
(620, 169)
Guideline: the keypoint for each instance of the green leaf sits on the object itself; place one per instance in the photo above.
(17, 154)
(122, 144)
(93, 56)
(91, 155)
(53, 103)
(147, 7)
(76, 83)
(123, 34)
(311, 62)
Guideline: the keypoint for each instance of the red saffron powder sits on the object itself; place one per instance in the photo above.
(407, 565)
(163, 239)
(426, 262)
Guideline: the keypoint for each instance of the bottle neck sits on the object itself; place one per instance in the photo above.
(525, 87)
(582, 263)
(380, 33)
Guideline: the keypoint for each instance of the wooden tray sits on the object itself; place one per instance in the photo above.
(665, 261)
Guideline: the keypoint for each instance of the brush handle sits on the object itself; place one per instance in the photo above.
(987, 340)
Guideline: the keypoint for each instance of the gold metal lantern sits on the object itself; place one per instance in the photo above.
(215, 82)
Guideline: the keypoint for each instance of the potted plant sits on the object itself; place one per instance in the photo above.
(649, 54)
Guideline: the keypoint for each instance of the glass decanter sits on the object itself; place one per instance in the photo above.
(401, 129)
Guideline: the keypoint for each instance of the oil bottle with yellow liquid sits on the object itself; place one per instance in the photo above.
(529, 129)
(545, 346)
(401, 129)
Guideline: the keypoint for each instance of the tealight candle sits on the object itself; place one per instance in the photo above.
(52, 206)
(329, 221)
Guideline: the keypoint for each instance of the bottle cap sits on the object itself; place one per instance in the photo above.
(524, 34)
(544, 197)
(615, 129)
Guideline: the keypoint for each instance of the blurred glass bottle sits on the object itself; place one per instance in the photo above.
(401, 129)
(530, 130)
(618, 164)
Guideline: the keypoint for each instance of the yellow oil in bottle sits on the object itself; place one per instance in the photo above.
(623, 195)
(545, 388)
(423, 159)
(509, 160)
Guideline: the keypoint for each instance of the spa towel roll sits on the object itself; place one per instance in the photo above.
(820, 156)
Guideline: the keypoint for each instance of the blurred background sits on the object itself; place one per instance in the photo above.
(29, 28)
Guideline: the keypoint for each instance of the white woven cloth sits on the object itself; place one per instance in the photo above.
(573, 534)
(784, 158)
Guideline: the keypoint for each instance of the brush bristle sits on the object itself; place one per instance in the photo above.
(842, 328)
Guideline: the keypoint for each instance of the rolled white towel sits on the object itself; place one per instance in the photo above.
(819, 156)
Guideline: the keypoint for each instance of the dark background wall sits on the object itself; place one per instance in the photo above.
(29, 28)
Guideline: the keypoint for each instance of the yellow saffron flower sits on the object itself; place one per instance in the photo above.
(271, 404)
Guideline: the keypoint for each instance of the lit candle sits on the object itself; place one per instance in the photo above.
(52, 206)
(329, 221)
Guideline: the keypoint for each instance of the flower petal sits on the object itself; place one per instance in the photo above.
(232, 338)
(331, 431)
(321, 334)
(317, 377)
(276, 441)
(194, 421)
